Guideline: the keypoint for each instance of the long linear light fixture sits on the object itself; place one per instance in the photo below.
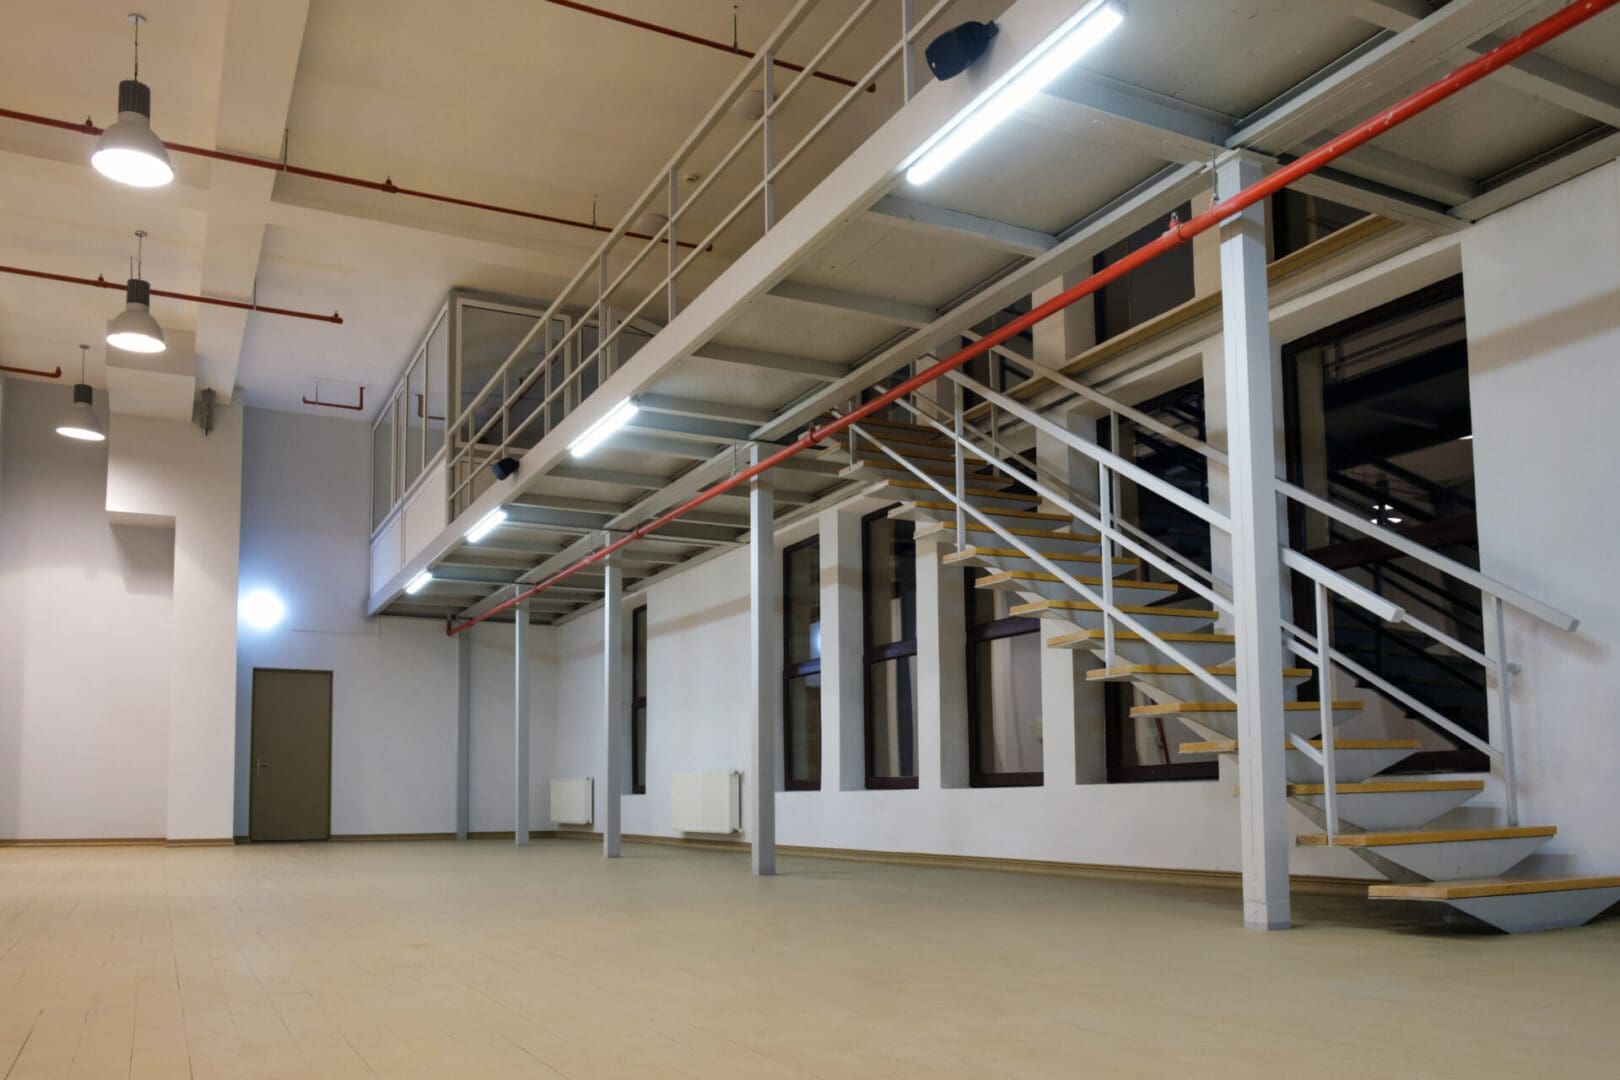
(598, 432)
(419, 582)
(486, 525)
(1070, 41)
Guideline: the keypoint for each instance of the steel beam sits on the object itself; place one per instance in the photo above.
(765, 649)
(613, 725)
(686, 427)
(1256, 570)
(822, 298)
(703, 410)
(819, 370)
(899, 213)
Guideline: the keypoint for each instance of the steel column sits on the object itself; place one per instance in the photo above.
(765, 647)
(612, 703)
(463, 735)
(520, 726)
(1256, 573)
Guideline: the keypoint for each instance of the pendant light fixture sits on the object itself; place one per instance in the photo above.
(128, 151)
(78, 420)
(134, 329)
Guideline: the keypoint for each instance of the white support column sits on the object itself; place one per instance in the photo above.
(1256, 578)
(765, 648)
(612, 703)
(463, 733)
(843, 747)
(942, 720)
(520, 726)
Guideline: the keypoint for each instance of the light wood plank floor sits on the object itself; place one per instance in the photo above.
(438, 959)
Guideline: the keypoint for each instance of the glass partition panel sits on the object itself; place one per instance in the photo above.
(488, 336)
(436, 400)
(415, 411)
(382, 466)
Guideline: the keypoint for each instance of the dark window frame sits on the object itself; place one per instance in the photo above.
(638, 701)
(794, 670)
(871, 655)
(1009, 626)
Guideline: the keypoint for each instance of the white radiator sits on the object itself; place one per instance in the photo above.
(572, 800)
(708, 802)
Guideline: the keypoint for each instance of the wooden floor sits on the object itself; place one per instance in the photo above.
(437, 959)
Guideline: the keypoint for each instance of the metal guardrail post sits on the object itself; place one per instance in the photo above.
(1324, 693)
(908, 51)
(674, 208)
(1105, 513)
(961, 475)
(768, 136)
(1504, 711)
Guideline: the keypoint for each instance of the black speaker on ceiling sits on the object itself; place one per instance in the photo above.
(504, 467)
(954, 51)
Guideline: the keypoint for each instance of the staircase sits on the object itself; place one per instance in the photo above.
(1161, 638)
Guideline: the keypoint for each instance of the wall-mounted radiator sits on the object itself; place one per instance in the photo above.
(572, 800)
(708, 802)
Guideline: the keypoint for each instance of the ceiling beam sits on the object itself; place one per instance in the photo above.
(704, 410)
(1534, 74)
(1374, 76)
(621, 477)
(654, 444)
(819, 370)
(964, 228)
(687, 427)
(1590, 154)
(876, 307)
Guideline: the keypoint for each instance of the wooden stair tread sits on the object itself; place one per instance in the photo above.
(1229, 746)
(1175, 708)
(996, 511)
(985, 492)
(1418, 836)
(924, 467)
(1467, 890)
(1035, 607)
(1098, 674)
(1000, 576)
(1062, 640)
(1380, 787)
(1039, 534)
(1056, 556)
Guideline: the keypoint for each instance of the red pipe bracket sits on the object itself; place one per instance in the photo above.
(336, 404)
(57, 374)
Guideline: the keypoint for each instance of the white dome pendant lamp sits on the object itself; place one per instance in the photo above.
(129, 151)
(78, 421)
(134, 329)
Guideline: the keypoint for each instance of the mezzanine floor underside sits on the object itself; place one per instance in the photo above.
(478, 959)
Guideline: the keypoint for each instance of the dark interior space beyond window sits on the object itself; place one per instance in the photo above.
(889, 599)
(1004, 690)
(1149, 290)
(801, 666)
(638, 701)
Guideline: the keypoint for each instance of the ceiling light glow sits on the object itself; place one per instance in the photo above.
(418, 583)
(129, 152)
(1076, 37)
(598, 432)
(486, 525)
(261, 609)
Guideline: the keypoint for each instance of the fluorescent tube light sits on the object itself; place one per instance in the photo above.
(598, 432)
(418, 583)
(486, 525)
(1029, 76)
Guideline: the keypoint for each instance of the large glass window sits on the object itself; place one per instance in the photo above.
(1004, 690)
(382, 466)
(889, 577)
(1298, 220)
(801, 669)
(638, 701)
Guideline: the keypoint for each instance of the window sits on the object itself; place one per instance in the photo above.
(801, 668)
(638, 701)
(1298, 220)
(1148, 291)
(889, 594)
(1004, 691)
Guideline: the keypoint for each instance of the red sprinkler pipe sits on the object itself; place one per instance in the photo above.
(99, 282)
(57, 374)
(386, 186)
(711, 43)
(338, 405)
(1542, 32)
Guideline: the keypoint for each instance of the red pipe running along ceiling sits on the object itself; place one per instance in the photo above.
(57, 374)
(1560, 22)
(240, 305)
(387, 185)
(695, 39)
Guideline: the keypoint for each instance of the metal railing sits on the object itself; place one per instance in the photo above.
(663, 195)
(1316, 649)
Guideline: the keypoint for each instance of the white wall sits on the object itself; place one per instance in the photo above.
(305, 533)
(84, 639)
(1542, 288)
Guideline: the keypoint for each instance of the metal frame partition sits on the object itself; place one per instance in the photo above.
(398, 412)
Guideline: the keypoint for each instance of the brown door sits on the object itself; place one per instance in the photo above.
(290, 797)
